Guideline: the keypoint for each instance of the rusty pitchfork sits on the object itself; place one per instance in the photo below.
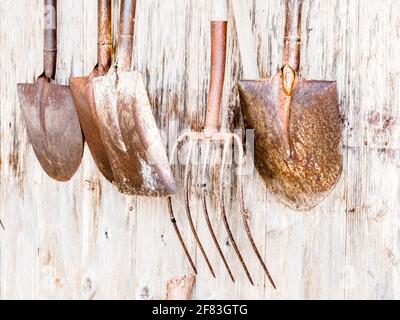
(210, 134)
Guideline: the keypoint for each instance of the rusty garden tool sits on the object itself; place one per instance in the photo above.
(49, 113)
(297, 125)
(212, 134)
(128, 129)
(82, 91)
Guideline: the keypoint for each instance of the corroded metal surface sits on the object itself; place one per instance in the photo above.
(131, 137)
(212, 134)
(53, 127)
(49, 113)
(297, 155)
(83, 93)
(127, 126)
(296, 124)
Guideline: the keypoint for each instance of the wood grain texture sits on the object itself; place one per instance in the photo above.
(84, 240)
(180, 288)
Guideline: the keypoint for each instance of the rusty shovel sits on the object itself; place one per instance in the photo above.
(83, 93)
(49, 113)
(128, 129)
(296, 124)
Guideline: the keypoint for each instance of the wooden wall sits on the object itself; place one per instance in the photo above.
(84, 240)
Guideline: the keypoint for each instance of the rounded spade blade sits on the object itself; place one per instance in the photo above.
(53, 127)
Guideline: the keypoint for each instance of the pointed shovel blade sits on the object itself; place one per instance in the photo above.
(53, 127)
(130, 134)
(297, 152)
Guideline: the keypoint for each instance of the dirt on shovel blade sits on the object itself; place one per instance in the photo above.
(83, 94)
(300, 162)
(130, 134)
(53, 127)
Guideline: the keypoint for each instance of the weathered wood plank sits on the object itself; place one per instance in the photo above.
(372, 253)
(83, 240)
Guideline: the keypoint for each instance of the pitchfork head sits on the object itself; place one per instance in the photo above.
(210, 135)
(226, 138)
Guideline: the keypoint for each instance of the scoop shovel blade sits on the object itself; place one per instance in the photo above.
(126, 122)
(83, 92)
(129, 131)
(83, 95)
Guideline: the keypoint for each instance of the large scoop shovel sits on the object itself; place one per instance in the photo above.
(127, 125)
(49, 113)
(82, 91)
(297, 126)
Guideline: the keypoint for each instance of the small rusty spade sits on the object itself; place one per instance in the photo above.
(296, 124)
(83, 94)
(127, 126)
(49, 113)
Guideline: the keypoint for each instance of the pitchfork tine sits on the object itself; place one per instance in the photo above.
(173, 220)
(187, 206)
(205, 209)
(223, 213)
(243, 210)
(178, 233)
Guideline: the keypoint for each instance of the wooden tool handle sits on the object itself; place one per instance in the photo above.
(218, 57)
(50, 38)
(104, 43)
(292, 41)
(126, 30)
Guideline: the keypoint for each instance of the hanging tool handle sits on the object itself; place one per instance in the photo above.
(126, 30)
(104, 44)
(218, 59)
(292, 40)
(50, 38)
